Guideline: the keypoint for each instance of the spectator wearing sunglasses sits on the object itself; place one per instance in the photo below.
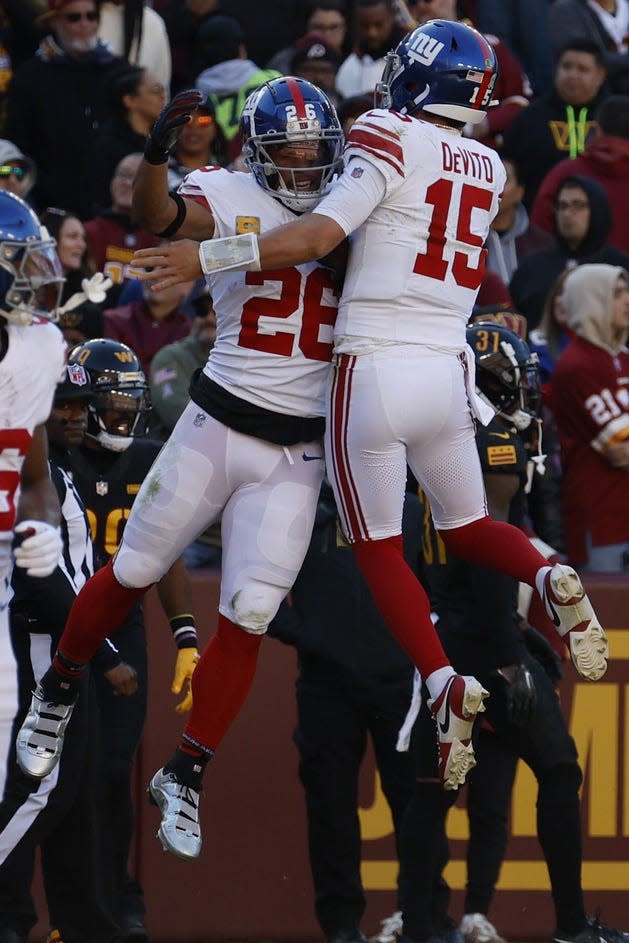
(17, 171)
(57, 101)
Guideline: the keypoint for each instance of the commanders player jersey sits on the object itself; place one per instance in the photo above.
(477, 606)
(29, 373)
(274, 328)
(108, 483)
(417, 260)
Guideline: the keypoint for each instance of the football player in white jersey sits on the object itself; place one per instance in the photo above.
(418, 200)
(32, 354)
(249, 444)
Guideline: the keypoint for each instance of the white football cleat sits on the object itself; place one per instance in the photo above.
(454, 711)
(180, 831)
(571, 612)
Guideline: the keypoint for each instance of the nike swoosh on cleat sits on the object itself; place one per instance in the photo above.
(554, 615)
(311, 458)
(445, 727)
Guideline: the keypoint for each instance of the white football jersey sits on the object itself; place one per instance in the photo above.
(274, 329)
(29, 373)
(417, 261)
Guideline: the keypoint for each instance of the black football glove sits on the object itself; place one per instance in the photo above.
(543, 652)
(163, 135)
(521, 697)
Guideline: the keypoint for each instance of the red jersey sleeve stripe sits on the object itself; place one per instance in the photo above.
(376, 142)
(377, 128)
(379, 155)
(193, 192)
(358, 144)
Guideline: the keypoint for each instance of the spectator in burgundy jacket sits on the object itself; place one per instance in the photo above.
(592, 411)
(148, 325)
(113, 235)
(606, 159)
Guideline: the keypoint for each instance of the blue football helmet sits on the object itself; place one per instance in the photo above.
(31, 279)
(292, 111)
(507, 373)
(443, 67)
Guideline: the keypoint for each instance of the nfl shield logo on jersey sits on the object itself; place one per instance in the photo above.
(102, 487)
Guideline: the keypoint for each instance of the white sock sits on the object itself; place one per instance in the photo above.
(437, 681)
(539, 580)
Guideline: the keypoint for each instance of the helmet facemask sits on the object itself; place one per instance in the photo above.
(32, 273)
(510, 387)
(293, 114)
(287, 183)
(119, 414)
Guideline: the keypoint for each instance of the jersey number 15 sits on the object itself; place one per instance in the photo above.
(432, 262)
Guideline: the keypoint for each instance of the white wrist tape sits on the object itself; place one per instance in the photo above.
(235, 253)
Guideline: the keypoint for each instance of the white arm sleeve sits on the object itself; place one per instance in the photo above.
(354, 196)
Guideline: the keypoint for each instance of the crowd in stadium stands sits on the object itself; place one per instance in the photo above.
(82, 83)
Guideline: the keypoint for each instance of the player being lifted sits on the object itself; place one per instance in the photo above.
(417, 200)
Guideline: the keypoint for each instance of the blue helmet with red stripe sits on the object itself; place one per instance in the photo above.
(443, 67)
(292, 141)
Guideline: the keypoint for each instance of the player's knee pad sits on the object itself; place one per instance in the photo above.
(253, 606)
(136, 570)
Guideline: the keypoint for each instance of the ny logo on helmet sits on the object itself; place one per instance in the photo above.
(424, 49)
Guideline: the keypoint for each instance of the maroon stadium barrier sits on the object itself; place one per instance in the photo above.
(252, 881)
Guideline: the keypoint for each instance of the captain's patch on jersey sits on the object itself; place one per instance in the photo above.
(501, 455)
(132, 489)
(247, 224)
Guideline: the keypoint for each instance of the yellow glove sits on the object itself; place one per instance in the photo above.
(187, 659)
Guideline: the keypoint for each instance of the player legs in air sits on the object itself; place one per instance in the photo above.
(417, 201)
(247, 447)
